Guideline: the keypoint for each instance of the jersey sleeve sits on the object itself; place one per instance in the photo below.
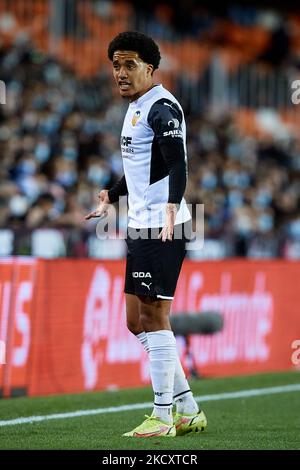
(119, 189)
(165, 118)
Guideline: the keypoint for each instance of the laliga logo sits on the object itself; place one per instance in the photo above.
(95, 327)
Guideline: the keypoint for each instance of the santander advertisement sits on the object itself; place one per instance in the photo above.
(63, 325)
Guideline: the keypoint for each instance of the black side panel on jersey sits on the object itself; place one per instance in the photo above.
(167, 151)
(119, 189)
(158, 168)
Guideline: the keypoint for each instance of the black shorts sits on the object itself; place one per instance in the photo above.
(153, 266)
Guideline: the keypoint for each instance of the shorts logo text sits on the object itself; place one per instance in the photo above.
(141, 274)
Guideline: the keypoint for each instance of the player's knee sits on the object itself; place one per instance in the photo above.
(134, 327)
(148, 321)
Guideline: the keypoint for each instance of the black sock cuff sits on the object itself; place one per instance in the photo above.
(163, 404)
(180, 394)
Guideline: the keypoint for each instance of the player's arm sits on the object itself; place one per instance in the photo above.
(119, 189)
(165, 118)
(108, 197)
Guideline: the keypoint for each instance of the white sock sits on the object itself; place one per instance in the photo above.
(142, 337)
(162, 355)
(186, 404)
(184, 399)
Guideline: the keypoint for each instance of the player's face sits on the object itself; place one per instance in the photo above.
(133, 76)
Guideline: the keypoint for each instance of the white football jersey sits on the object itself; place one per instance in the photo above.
(153, 119)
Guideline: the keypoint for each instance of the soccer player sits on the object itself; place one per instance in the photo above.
(154, 159)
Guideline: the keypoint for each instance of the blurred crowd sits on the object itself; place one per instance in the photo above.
(59, 142)
(219, 24)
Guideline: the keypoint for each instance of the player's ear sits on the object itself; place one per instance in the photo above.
(150, 69)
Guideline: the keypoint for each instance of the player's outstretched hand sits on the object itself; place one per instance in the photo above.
(101, 210)
(168, 229)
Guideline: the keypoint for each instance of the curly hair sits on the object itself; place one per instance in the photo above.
(138, 42)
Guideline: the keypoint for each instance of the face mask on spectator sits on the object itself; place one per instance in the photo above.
(244, 226)
(42, 152)
(262, 199)
(90, 127)
(265, 223)
(50, 125)
(30, 187)
(66, 178)
(235, 199)
(230, 178)
(243, 179)
(70, 153)
(64, 107)
(237, 179)
(52, 74)
(209, 180)
(98, 175)
(27, 167)
(294, 229)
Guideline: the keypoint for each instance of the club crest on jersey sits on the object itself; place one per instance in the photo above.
(136, 117)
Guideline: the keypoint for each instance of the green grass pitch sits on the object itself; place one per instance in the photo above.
(264, 421)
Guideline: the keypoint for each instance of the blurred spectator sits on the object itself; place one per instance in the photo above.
(278, 50)
(42, 212)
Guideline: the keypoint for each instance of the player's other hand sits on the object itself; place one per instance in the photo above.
(168, 229)
(101, 210)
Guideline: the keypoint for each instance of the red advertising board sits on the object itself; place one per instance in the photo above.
(64, 328)
(17, 277)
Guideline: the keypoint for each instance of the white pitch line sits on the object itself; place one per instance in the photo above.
(256, 392)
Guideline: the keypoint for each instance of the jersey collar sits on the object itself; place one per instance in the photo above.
(146, 95)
